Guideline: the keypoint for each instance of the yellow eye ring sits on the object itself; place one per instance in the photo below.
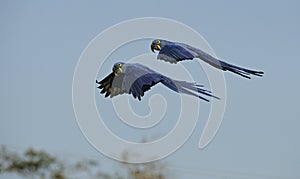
(158, 42)
(120, 64)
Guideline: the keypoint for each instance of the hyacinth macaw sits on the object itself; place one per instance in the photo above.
(174, 52)
(136, 79)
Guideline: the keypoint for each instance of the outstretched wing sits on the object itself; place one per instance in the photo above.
(175, 52)
(111, 85)
(136, 80)
(140, 79)
(143, 83)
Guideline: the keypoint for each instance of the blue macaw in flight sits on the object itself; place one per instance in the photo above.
(174, 52)
(136, 79)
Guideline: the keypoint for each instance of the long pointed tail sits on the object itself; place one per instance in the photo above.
(188, 88)
(226, 66)
(239, 70)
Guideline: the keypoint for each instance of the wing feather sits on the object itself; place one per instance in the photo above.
(175, 52)
(143, 84)
(111, 85)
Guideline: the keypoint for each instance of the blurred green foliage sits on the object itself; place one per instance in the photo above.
(40, 164)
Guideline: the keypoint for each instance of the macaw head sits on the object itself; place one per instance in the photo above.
(117, 68)
(158, 44)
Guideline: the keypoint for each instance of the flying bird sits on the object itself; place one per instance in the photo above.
(136, 79)
(174, 52)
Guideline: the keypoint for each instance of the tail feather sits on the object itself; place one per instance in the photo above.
(185, 91)
(192, 89)
(240, 71)
(226, 66)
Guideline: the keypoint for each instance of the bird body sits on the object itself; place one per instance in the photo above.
(136, 79)
(174, 52)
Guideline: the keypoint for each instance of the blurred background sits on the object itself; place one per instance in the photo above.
(41, 43)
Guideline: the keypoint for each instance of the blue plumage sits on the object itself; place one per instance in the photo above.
(136, 79)
(174, 52)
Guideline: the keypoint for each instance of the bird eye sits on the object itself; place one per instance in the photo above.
(120, 64)
(158, 41)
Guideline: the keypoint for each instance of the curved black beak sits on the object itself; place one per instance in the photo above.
(153, 47)
(116, 70)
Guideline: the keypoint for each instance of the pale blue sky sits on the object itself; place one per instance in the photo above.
(259, 138)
